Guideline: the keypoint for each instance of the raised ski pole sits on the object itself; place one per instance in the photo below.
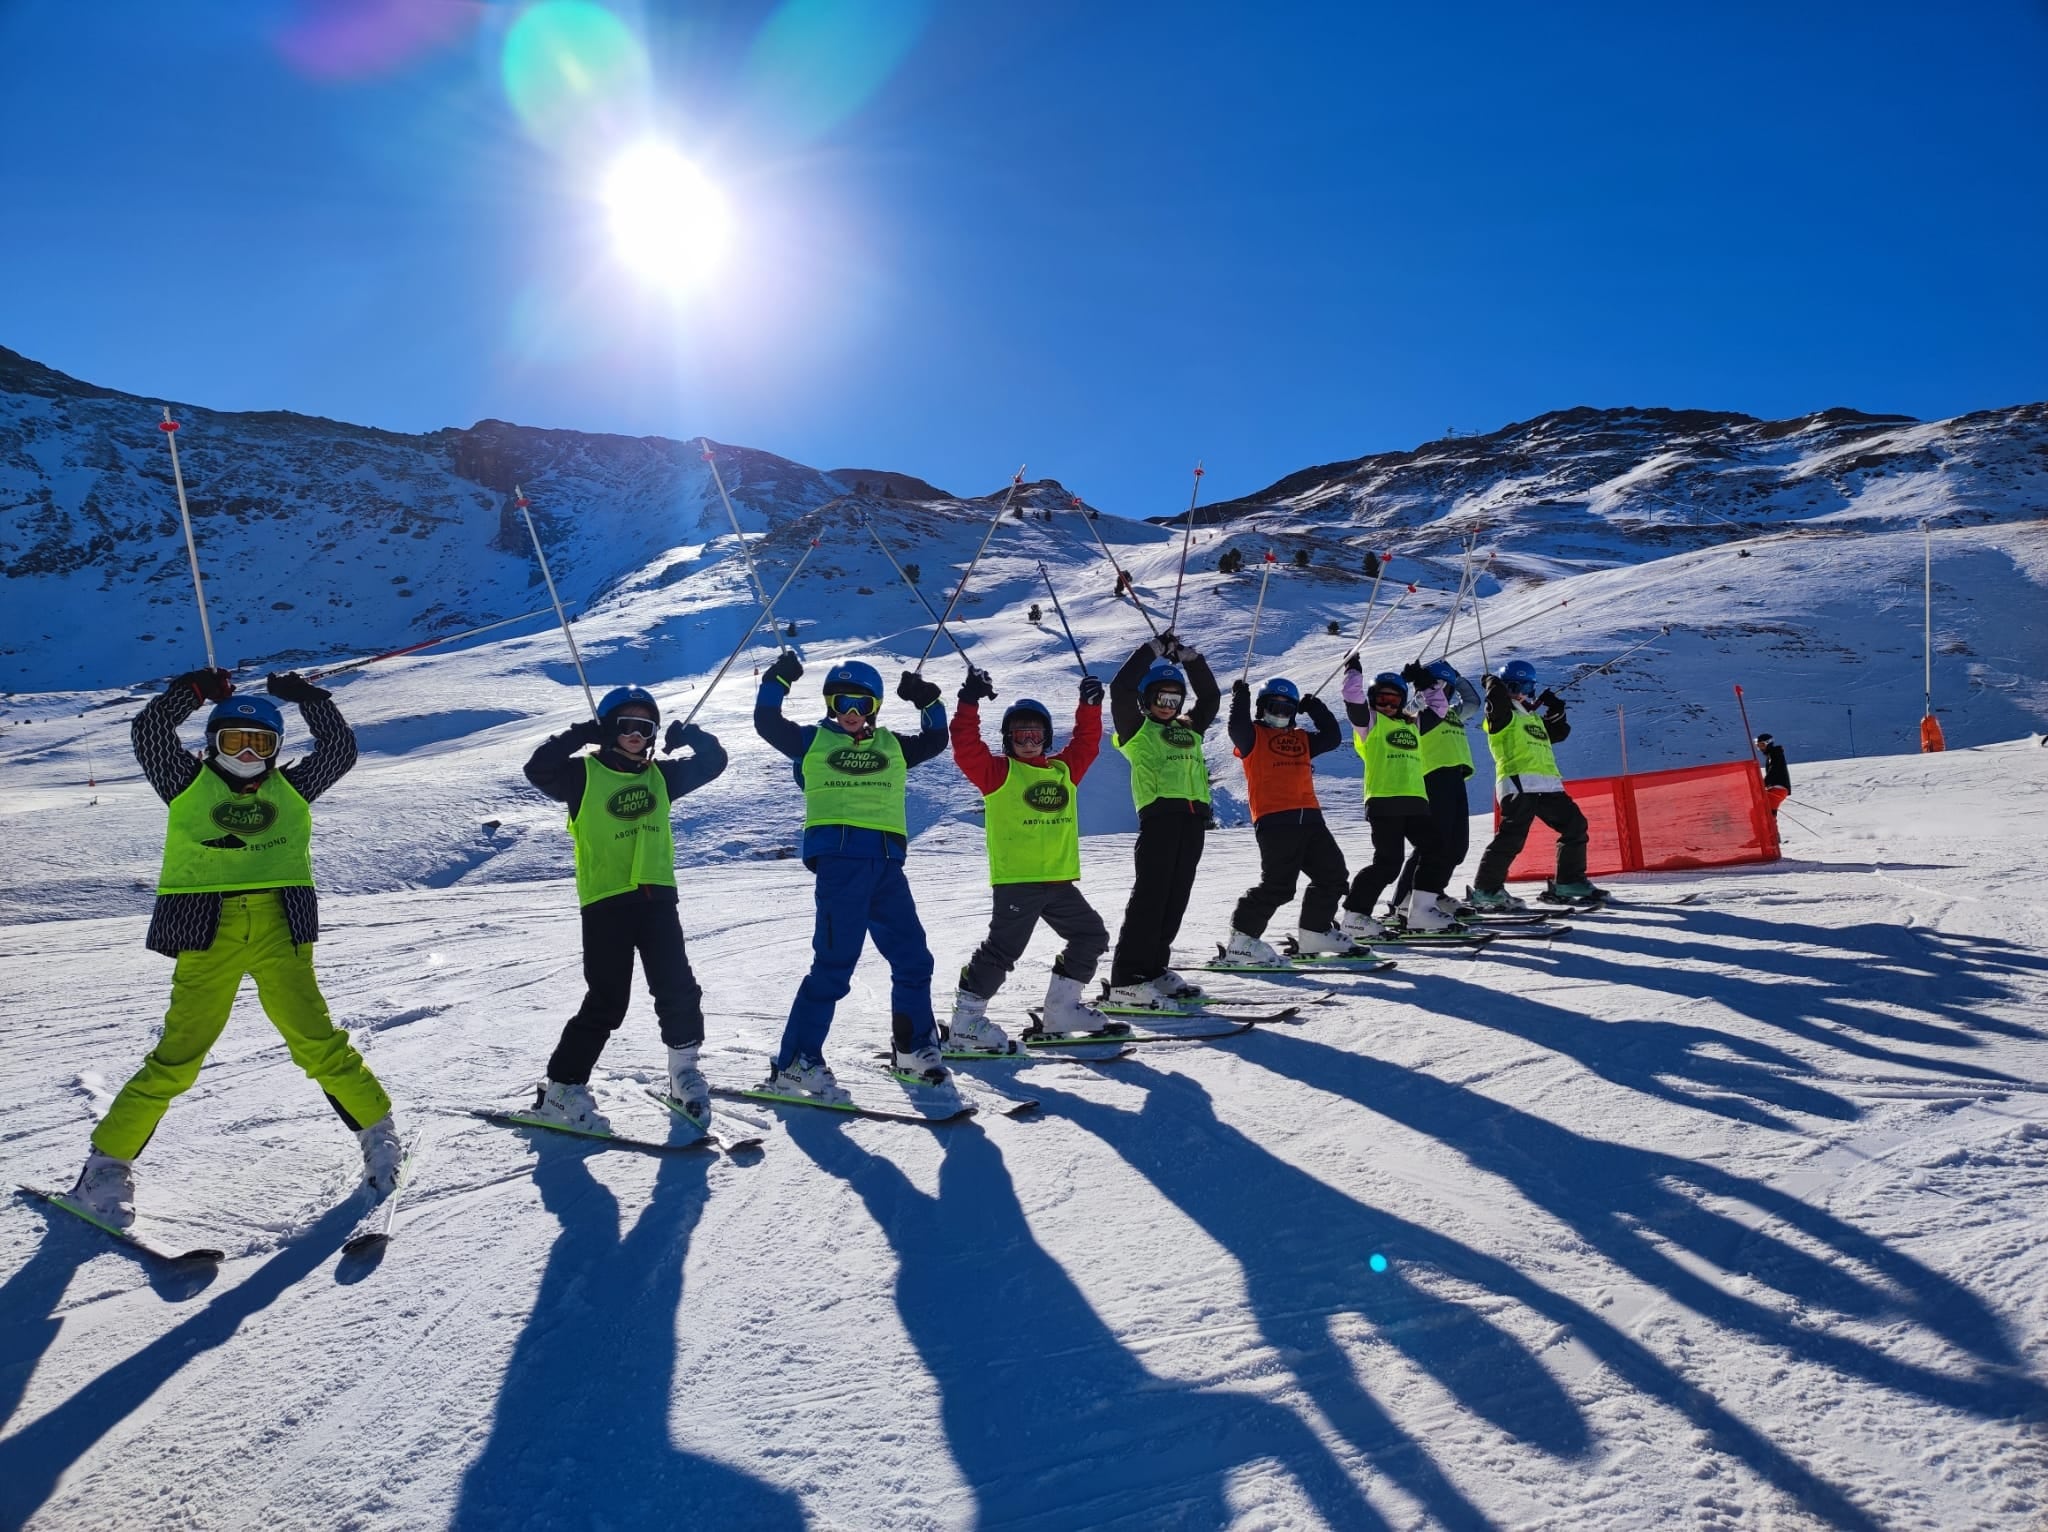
(767, 614)
(1365, 635)
(1187, 537)
(1663, 632)
(1001, 511)
(1258, 607)
(170, 429)
(1518, 622)
(1379, 573)
(425, 643)
(1133, 591)
(863, 521)
(519, 499)
(760, 591)
(1449, 616)
(1061, 613)
(1479, 627)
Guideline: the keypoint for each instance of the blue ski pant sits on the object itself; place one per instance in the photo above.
(860, 897)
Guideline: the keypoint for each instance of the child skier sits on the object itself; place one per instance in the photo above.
(1530, 788)
(1170, 785)
(626, 885)
(1287, 818)
(1446, 766)
(1396, 804)
(1034, 859)
(855, 839)
(235, 899)
(1777, 775)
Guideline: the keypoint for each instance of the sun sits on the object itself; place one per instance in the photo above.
(669, 222)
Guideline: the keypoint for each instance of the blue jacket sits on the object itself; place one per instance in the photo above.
(794, 741)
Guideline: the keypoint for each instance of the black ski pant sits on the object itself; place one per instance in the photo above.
(1517, 812)
(644, 921)
(1391, 835)
(1291, 843)
(1019, 908)
(1453, 819)
(1168, 852)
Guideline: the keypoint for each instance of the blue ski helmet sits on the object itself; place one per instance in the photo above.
(1387, 681)
(1161, 673)
(246, 712)
(1520, 677)
(622, 696)
(1278, 686)
(854, 676)
(1026, 707)
(1443, 670)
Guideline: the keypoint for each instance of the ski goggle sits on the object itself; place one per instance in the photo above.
(853, 702)
(1166, 697)
(261, 742)
(644, 727)
(1033, 731)
(1384, 699)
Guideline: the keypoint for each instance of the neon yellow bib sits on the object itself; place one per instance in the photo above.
(1446, 745)
(1166, 762)
(1523, 747)
(1033, 826)
(622, 834)
(857, 782)
(218, 839)
(1393, 759)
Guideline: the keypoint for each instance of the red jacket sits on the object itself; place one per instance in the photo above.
(989, 771)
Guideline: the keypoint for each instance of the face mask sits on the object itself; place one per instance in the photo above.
(235, 766)
(1277, 720)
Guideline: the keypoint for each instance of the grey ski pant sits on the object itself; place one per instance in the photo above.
(1018, 909)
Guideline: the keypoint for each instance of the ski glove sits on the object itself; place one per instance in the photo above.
(1241, 688)
(977, 687)
(787, 669)
(1550, 702)
(1163, 645)
(1091, 692)
(1355, 664)
(1418, 675)
(207, 685)
(917, 691)
(679, 735)
(588, 732)
(290, 686)
(1185, 654)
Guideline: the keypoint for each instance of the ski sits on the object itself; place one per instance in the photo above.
(963, 1108)
(128, 1237)
(1472, 917)
(931, 1106)
(722, 1131)
(1297, 962)
(1543, 931)
(1200, 1028)
(1428, 939)
(1087, 1048)
(373, 1229)
(975, 1095)
(617, 1140)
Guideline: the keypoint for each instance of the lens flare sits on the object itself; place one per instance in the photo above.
(669, 223)
(575, 74)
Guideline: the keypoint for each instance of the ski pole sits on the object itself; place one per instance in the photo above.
(1518, 622)
(1120, 576)
(1187, 537)
(1485, 667)
(1001, 511)
(1379, 573)
(863, 521)
(425, 643)
(747, 553)
(170, 429)
(1663, 632)
(519, 499)
(1061, 613)
(1449, 616)
(767, 614)
(1364, 638)
(1258, 608)
(1754, 754)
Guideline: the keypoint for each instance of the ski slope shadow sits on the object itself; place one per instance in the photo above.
(580, 1437)
(1305, 1250)
(1652, 1215)
(1050, 1420)
(37, 1456)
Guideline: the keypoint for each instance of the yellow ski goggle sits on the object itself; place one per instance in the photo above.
(235, 741)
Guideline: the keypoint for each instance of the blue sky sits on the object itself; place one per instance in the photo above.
(1106, 239)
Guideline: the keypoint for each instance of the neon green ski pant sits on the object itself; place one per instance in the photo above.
(253, 939)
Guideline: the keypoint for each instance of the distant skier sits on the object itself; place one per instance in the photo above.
(1777, 775)
(1287, 819)
(1446, 766)
(1170, 785)
(620, 799)
(1530, 787)
(1396, 801)
(235, 899)
(1034, 859)
(856, 835)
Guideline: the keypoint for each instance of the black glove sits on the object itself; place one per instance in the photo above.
(1242, 689)
(976, 688)
(207, 685)
(917, 691)
(293, 687)
(1184, 653)
(1549, 701)
(1418, 675)
(587, 731)
(787, 669)
(672, 741)
(1091, 692)
(1355, 663)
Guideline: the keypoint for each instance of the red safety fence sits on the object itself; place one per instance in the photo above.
(1662, 821)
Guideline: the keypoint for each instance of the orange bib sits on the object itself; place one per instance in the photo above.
(1277, 772)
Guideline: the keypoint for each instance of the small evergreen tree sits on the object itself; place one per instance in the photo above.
(1301, 558)
(1334, 630)
(912, 573)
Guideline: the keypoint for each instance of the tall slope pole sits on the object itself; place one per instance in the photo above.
(170, 429)
(1187, 537)
(519, 499)
(1001, 511)
(747, 553)
(1930, 726)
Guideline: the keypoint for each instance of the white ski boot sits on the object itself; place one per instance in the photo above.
(1143, 995)
(1177, 988)
(920, 1066)
(686, 1082)
(570, 1105)
(1250, 949)
(383, 1155)
(1067, 1011)
(808, 1077)
(1425, 914)
(970, 1029)
(1332, 942)
(1360, 928)
(106, 1189)
(1452, 907)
